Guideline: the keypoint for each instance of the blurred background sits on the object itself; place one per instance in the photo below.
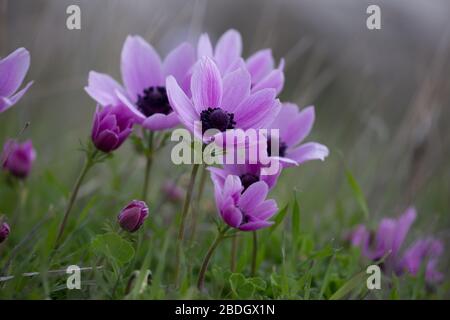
(381, 97)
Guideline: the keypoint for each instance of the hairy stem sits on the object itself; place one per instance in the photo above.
(186, 205)
(148, 166)
(196, 211)
(234, 245)
(212, 248)
(89, 162)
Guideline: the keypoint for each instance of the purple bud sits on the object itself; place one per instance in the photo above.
(112, 125)
(172, 191)
(18, 158)
(4, 231)
(133, 215)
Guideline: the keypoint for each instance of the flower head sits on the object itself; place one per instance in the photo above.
(246, 210)
(17, 158)
(387, 241)
(4, 231)
(294, 126)
(144, 75)
(13, 69)
(221, 103)
(111, 126)
(133, 216)
(172, 191)
(227, 54)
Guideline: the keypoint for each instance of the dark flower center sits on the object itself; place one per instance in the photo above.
(248, 179)
(281, 147)
(154, 100)
(216, 118)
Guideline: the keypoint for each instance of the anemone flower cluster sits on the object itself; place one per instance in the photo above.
(387, 241)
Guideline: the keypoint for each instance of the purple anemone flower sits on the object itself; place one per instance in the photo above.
(111, 126)
(424, 250)
(221, 103)
(294, 126)
(133, 216)
(17, 158)
(244, 210)
(227, 54)
(4, 231)
(247, 173)
(172, 191)
(144, 75)
(13, 69)
(388, 240)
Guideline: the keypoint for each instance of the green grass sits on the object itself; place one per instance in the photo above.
(302, 256)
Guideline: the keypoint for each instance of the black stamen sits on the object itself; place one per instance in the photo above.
(216, 118)
(248, 179)
(154, 100)
(281, 147)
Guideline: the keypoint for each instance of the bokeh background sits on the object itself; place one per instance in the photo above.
(382, 97)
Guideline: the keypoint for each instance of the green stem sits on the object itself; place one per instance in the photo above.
(148, 167)
(234, 245)
(196, 211)
(201, 275)
(254, 253)
(87, 165)
(186, 205)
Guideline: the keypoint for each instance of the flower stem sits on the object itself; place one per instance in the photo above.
(234, 245)
(201, 275)
(196, 211)
(89, 162)
(254, 253)
(148, 167)
(186, 205)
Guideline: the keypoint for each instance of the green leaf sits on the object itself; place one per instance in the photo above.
(114, 247)
(358, 193)
(241, 287)
(279, 218)
(295, 220)
(349, 286)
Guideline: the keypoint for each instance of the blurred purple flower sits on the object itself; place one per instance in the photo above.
(13, 69)
(17, 158)
(133, 216)
(424, 250)
(294, 126)
(221, 104)
(111, 126)
(172, 191)
(4, 231)
(227, 54)
(388, 240)
(144, 75)
(244, 210)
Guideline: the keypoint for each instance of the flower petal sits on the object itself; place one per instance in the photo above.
(308, 151)
(260, 64)
(178, 63)
(275, 80)
(204, 47)
(236, 88)
(255, 225)
(107, 140)
(160, 121)
(228, 49)
(404, 222)
(13, 69)
(181, 104)
(231, 215)
(6, 103)
(265, 210)
(102, 88)
(256, 109)
(253, 196)
(137, 115)
(206, 85)
(141, 66)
